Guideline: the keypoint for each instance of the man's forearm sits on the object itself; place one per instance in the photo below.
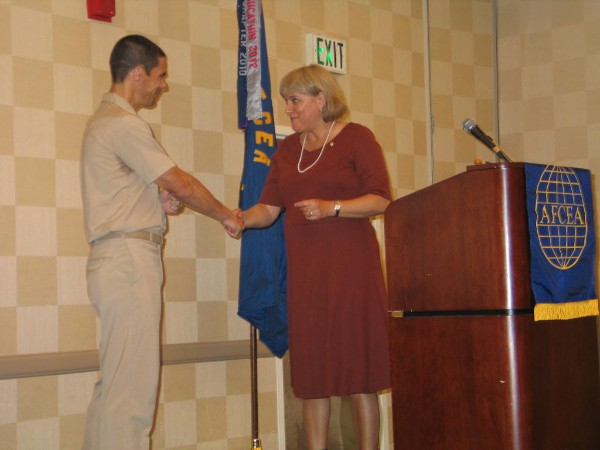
(193, 194)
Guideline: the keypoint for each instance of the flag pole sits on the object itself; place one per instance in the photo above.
(262, 251)
(256, 444)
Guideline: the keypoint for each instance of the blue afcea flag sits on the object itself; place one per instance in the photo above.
(263, 272)
(562, 241)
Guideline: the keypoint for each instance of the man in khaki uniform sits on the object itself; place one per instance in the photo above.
(128, 182)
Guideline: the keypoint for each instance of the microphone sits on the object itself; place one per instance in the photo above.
(470, 126)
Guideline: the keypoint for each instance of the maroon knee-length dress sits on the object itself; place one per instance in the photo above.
(338, 339)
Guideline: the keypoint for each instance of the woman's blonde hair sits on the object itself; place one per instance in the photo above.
(312, 80)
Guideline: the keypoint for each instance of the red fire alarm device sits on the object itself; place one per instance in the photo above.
(103, 10)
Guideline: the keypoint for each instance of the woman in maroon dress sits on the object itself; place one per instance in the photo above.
(330, 178)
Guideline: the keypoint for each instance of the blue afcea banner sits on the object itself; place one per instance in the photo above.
(562, 241)
(263, 271)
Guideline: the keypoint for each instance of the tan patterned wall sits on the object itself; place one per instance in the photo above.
(53, 71)
(202, 406)
(462, 81)
(549, 65)
(549, 84)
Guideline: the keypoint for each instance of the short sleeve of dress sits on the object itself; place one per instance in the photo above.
(270, 194)
(370, 164)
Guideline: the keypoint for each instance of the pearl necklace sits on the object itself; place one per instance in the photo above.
(320, 153)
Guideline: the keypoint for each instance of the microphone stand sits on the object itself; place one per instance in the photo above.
(500, 153)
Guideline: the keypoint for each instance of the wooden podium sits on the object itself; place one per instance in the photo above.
(470, 367)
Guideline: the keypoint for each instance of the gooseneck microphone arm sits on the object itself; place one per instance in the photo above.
(470, 126)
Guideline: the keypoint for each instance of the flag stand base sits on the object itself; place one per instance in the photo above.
(256, 445)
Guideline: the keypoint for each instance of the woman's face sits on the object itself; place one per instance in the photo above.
(304, 111)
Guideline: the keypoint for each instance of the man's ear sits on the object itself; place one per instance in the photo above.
(137, 72)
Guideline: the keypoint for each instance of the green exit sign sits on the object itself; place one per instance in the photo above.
(327, 52)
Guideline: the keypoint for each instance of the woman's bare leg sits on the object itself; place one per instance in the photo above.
(315, 412)
(365, 412)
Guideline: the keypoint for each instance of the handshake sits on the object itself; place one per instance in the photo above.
(234, 225)
(233, 222)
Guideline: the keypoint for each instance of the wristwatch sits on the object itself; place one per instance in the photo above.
(336, 208)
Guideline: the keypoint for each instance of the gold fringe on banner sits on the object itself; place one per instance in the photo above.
(565, 311)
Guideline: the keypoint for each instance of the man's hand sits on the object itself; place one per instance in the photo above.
(234, 225)
(170, 204)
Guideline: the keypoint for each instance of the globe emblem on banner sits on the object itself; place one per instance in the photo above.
(561, 217)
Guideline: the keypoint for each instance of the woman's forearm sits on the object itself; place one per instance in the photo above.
(260, 215)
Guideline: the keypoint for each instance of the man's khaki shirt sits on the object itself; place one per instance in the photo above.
(120, 160)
